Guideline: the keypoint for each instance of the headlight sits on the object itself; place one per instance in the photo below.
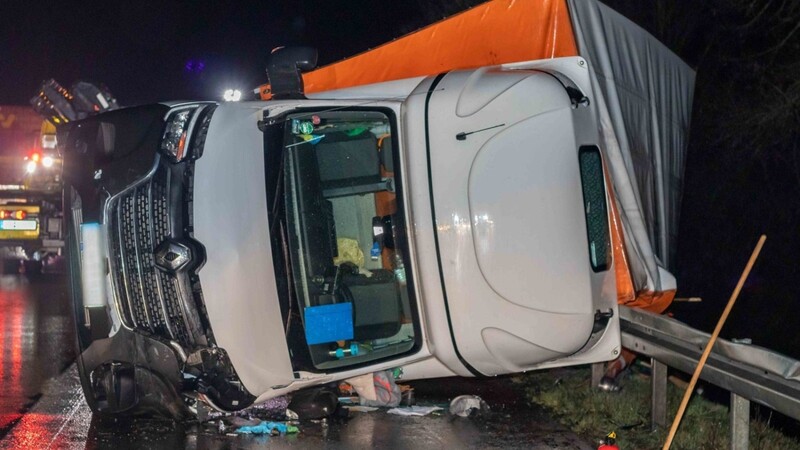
(185, 128)
(30, 167)
(47, 161)
(176, 134)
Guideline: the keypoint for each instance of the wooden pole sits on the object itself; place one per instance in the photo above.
(688, 394)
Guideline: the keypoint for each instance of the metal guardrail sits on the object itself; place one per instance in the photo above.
(749, 372)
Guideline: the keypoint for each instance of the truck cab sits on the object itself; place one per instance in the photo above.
(455, 224)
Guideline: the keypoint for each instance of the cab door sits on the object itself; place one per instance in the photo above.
(342, 209)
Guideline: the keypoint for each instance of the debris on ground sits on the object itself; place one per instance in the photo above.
(360, 408)
(609, 442)
(387, 392)
(314, 403)
(274, 408)
(615, 370)
(468, 405)
(407, 395)
(609, 384)
(414, 410)
(363, 385)
(271, 428)
(237, 422)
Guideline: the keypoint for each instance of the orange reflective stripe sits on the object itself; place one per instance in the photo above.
(496, 32)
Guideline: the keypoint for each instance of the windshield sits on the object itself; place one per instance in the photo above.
(344, 237)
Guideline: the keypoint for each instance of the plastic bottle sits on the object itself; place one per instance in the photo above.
(399, 268)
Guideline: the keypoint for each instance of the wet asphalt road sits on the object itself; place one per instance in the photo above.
(36, 341)
(42, 406)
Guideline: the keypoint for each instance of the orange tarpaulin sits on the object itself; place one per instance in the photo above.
(627, 295)
(496, 32)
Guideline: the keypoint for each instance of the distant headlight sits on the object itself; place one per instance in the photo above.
(47, 161)
(232, 95)
(30, 167)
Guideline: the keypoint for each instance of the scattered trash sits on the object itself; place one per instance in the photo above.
(609, 384)
(615, 370)
(274, 408)
(387, 392)
(314, 403)
(468, 405)
(364, 385)
(237, 421)
(407, 395)
(352, 400)
(376, 390)
(414, 410)
(609, 442)
(361, 408)
(271, 428)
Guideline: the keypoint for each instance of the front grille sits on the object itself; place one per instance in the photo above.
(149, 298)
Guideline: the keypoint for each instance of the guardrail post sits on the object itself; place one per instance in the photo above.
(598, 369)
(740, 422)
(658, 396)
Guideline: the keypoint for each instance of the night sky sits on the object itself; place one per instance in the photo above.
(743, 170)
(152, 51)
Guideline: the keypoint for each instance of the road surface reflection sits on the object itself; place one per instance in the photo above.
(36, 341)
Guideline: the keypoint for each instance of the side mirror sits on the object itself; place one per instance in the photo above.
(284, 69)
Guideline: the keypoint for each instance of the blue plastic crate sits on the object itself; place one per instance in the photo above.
(329, 323)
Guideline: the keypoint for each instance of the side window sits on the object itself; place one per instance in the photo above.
(344, 228)
(595, 207)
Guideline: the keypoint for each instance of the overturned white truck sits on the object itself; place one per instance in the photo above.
(460, 222)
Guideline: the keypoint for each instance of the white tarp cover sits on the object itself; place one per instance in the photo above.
(643, 96)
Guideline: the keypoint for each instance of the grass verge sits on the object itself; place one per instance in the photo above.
(594, 413)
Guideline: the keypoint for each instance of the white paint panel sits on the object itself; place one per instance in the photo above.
(230, 220)
(527, 218)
